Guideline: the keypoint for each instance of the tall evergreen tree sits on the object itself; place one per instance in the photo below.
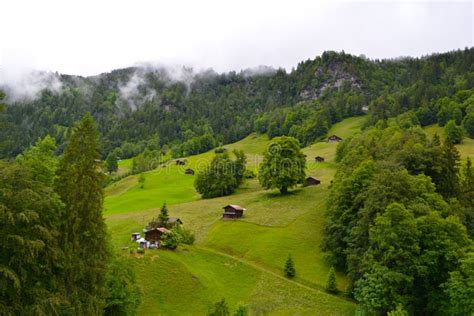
(79, 184)
(449, 184)
(30, 255)
(467, 196)
(163, 217)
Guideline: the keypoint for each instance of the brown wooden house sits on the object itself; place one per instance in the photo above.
(153, 235)
(334, 139)
(319, 159)
(311, 181)
(233, 211)
(189, 171)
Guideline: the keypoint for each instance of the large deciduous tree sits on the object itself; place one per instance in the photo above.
(41, 160)
(283, 164)
(222, 176)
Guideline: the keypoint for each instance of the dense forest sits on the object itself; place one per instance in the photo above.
(189, 112)
(400, 222)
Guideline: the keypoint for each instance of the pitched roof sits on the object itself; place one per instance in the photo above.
(312, 178)
(171, 220)
(161, 229)
(236, 207)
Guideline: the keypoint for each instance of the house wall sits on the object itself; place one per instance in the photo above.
(153, 235)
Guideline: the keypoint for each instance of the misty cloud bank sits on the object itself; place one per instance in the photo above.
(27, 85)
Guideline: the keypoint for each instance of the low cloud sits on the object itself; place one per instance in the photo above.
(27, 85)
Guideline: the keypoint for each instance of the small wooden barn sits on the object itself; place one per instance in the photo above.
(334, 139)
(174, 221)
(233, 211)
(180, 162)
(319, 159)
(189, 171)
(311, 181)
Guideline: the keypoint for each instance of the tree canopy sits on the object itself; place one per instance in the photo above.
(283, 164)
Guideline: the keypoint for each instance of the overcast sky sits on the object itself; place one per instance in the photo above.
(89, 37)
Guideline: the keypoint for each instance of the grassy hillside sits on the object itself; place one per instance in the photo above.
(239, 260)
(466, 148)
(169, 183)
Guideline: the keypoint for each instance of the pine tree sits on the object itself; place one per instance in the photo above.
(79, 185)
(449, 184)
(30, 254)
(163, 217)
(467, 196)
(290, 271)
(331, 286)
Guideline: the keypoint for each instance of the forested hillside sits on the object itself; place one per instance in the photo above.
(158, 108)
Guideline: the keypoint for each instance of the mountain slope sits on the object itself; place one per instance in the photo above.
(239, 260)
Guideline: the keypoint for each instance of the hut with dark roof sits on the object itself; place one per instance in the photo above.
(311, 181)
(233, 211)
(334, 139)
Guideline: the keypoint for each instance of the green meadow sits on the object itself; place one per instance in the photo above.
(241, 261)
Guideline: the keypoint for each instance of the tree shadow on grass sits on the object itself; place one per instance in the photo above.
(275, 194)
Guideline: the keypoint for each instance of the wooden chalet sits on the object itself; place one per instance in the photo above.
(334, 139)
(153, 235)
(233, 211)
(311, 181)
(189, 171)
(319, 159)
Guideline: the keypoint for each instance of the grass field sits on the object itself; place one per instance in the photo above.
(239, 260)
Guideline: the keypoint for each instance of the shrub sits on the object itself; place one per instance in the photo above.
(249, 174)
(170, 240)
(141, 180)
(220, 309)
(220, 150)
(186, 236)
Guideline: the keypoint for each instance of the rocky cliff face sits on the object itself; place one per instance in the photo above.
(332, 77)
